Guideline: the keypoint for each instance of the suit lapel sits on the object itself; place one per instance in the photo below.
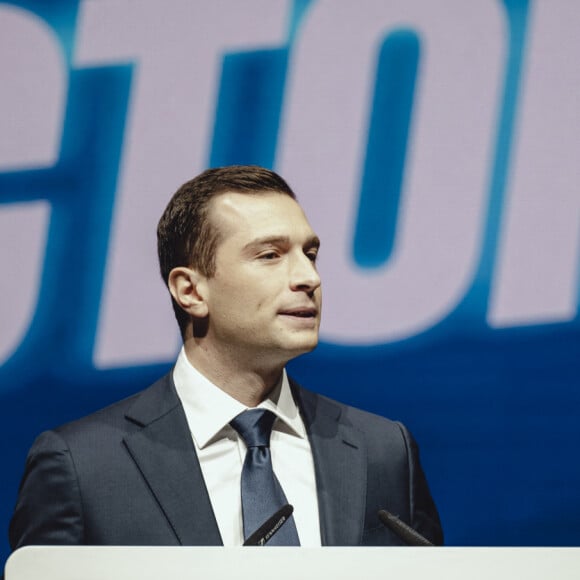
(164, 452)
(340, 463)
(162, 448)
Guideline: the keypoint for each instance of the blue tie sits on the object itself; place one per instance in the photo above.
(262, 494)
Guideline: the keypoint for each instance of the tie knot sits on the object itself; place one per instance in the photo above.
(254, 426)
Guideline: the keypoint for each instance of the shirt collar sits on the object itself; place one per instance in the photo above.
(209, 409)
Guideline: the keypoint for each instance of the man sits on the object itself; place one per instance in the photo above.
(169, 465)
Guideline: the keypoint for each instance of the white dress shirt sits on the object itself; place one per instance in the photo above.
(221, 452)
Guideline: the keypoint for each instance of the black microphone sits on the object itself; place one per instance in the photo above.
(402, 530)
(269, 527)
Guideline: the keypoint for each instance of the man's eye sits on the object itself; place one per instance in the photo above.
(312, 256)
(269, 256)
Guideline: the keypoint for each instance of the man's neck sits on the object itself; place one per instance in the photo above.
(247, 380)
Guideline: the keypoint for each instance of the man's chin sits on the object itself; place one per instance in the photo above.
(289, 345)
(304, 346)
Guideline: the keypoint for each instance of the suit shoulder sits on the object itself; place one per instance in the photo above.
(377, 429)
(112, 416)
(368, 418)
(364, 421)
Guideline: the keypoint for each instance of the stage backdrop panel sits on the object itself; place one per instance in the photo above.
(435, 145)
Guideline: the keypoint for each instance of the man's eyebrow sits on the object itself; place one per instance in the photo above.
(312, 242)
(267, 240)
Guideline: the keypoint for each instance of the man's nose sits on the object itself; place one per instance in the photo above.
(304, 275)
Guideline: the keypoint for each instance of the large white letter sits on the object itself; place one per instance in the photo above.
(177, 48)
(33, 91)
(324, 135)
(32, 100)
(539, 253)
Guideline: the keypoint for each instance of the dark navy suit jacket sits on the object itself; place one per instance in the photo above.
(129, 475)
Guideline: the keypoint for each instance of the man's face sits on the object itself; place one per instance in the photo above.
(265, 297)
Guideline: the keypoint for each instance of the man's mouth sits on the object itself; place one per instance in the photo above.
(300, 312)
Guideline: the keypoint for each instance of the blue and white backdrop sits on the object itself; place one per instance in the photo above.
(435, 145)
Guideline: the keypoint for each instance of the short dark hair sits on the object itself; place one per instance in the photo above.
(185, 235)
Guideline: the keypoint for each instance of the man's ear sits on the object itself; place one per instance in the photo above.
(188, 289)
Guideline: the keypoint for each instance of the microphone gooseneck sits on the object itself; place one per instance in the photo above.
(265, 532)
(402, 530)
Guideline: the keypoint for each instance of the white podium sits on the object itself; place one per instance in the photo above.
(153, 563)
(168, 563)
